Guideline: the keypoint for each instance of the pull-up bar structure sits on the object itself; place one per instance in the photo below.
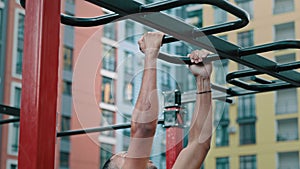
(39, 89)
(40, 63)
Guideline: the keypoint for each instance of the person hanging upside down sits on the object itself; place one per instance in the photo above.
(145, 114)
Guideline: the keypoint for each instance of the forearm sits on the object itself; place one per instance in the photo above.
(200, 130)
(201, 125)
(144, 117)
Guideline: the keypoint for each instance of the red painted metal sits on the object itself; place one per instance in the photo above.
(174, 144)
(39, 85)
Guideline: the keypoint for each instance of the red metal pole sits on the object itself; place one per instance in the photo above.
(174, 144)
(39, 82)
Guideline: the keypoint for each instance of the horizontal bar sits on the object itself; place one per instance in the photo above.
(129, 7)
(288, 66)
(260, 80)
(89, 22)
(219, 93)
(97, 129)
(12, 111)
(185, 60)
(5, 121)
(232, 78)
(223, 4)
(275, 85)
(279, 45)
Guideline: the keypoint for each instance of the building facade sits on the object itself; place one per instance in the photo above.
(12, 28)
(257, 131)
(262, 130)
(69, 150)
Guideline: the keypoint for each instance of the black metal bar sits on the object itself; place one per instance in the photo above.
(97, 129)
(5, 121)
(279, 45)
(194, 36)
(256, 62)
(287, 66)
(185, 60)
(262, 86)
(260, 80)
(131, 7)
(89, 22)
(225, 5)
(12, 111)
(275, 85)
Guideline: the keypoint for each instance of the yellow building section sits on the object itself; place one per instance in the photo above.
(266, 147)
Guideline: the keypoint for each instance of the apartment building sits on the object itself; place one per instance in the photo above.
(262, 130)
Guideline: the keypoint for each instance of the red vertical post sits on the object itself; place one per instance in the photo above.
(39, 85)
(174, 145)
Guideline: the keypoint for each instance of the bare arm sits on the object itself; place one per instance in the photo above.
(144, 117)
(201, 126)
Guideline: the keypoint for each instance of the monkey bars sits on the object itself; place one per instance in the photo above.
(39, 106)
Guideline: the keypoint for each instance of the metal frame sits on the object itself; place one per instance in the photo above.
(285, 75)
(39, 89)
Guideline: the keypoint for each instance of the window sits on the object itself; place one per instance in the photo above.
(247, 133)
(67, 88)
(17, 97)
(246, 107)
(283, 6)
(245, 39)
(65, 125)
(287, 129)
(68, 58)
(195, 17)
(107, 118)
(109, 56)
(181, 49)
(129, 31)
(222, 135)
(128, 91)
(108, 94)
(221, 70)
(222, 123)
(286, 100)
(221, 111)
(106, 151)
(14, 128)
(15, 137)
(248, 162)
(1, 31)
(109, 31)
(247, 5)
(220, 16)
(64, 159)
(129, 62)
(70, 1)
(19, 43)
(126, 133)
(165, 77)
(222, 163)
(288, 160)
(284, 31)
(11, 164)
(149, 1)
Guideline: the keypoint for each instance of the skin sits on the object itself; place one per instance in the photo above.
(145, 114)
